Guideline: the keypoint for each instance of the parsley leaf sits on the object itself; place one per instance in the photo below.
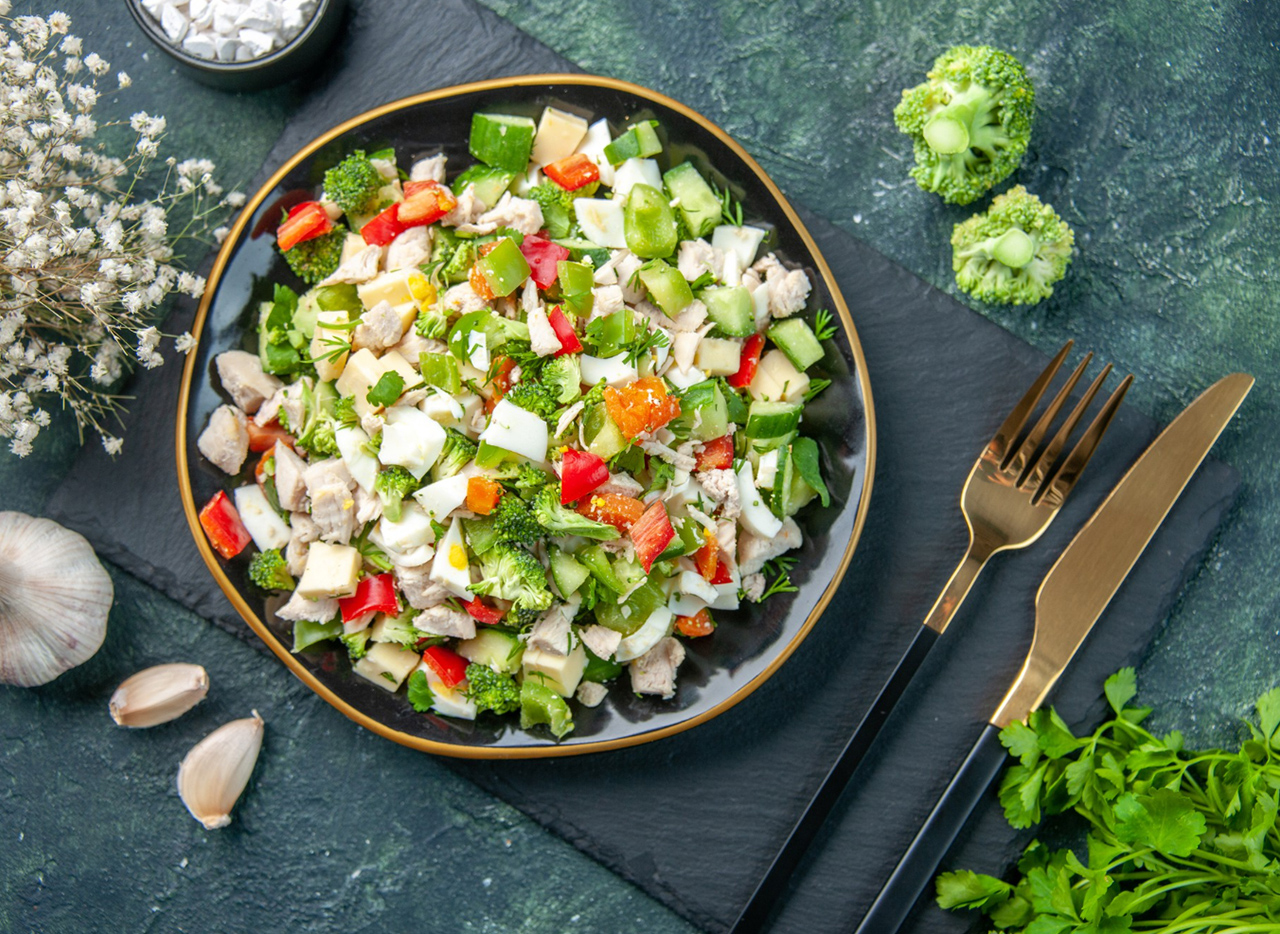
(386, 390)
(1164, 820)
(420, 693)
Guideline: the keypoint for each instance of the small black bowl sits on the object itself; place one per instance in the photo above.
(289, 61)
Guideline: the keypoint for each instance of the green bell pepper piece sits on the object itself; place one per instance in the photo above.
(504, 267)
(649, 223)
(540, 704)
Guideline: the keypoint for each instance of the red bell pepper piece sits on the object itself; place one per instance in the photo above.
(543, 258)
(572, 172)
(449, 666)
(569, 342)
(375, 594)
(425, 203)
(716, 454)
(580, 473)
(305, 222)
(222, 524)
(264, 437)
(652, 533)
(748, 362)
(483, 613)
(384, 228)
(722, 572)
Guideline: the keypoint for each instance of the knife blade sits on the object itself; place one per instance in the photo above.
(1071, 598)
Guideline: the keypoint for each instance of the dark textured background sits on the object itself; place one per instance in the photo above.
(297, 825)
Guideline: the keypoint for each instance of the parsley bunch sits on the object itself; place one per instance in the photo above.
(1178, 841)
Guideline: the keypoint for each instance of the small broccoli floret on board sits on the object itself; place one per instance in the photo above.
(1014, 253)
(970, 122)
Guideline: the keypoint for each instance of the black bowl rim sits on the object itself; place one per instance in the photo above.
(156, 34)
(543, 750)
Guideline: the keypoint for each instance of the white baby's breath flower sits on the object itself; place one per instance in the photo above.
(123, 79)
(184, 343)
(112, 445)
(94, 62)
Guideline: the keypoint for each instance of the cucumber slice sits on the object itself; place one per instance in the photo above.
(604, 437)
(496, 648)
(490, 455)
(797, 340)
(502, 141)
(670, 290)
(698, 204)
(567, 571)
(769, 421)
(628, 617)
(638, 142)
(599, 566)
(581, 250)
(704, 414)
(731, 309)
(489, 182)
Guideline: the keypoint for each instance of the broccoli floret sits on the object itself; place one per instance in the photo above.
(317, 258)
(533, 396)
(513, 522)
(432, 324)
(459, 450)
(269, 571)
(392, 485)
(357, 643)
(595, 395)
(492, 690)
(970, 121)
(353, 183)
(558, 215)
(559, 520)
(315, 435)
(562, 376)
(344, 412)
(530, 481)
(400, 629)
(1014, 252)
(511, 573)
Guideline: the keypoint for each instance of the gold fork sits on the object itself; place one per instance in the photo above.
(1012, 494)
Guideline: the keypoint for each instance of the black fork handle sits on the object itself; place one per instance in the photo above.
(920, 862)
(774, 884)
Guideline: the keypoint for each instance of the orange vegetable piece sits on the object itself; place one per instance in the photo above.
(479, 284)
(642, 406)
(617, 510)
(699, 624)
(483, 494)
(707, 557)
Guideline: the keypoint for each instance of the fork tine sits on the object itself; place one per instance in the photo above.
(1004, 437)
(1060, 482)
(1037, 470)
(1025, 457)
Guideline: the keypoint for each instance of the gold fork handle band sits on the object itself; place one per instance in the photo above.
(975, 558)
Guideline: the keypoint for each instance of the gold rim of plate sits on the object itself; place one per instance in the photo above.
(547, 749)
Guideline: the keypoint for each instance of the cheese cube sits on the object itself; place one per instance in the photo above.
(636, 172)
(777, 380)
(397, 287)
(561, 673)
(559, 134)
(362, 372)
(741, 240)
(592, 146)
(387, 664)
(718, 356)
(331, 571)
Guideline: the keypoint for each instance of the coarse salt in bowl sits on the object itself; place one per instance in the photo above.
(241, 44)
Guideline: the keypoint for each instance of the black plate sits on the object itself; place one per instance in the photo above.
(749, 644)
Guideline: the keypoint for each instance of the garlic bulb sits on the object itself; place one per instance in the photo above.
(158, 694)
(54, 600)
(215, 771)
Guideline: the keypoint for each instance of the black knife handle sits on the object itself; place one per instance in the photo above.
(774, 884)
(920, 862)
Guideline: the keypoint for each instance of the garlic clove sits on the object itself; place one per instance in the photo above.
(54, 600)
(216, 770)
(158, 694)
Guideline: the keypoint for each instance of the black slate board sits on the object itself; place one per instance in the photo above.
(694, 819)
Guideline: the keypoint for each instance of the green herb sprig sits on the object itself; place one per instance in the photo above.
(1179, 842)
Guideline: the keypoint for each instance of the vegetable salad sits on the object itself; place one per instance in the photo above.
(520, 428)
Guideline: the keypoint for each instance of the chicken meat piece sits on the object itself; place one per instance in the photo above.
(722, 486)
(466, 211)
(225, 441)
(419, 590)
(241, 375)
(697, 258)
(303, 528)
(413, 344)
(269, 411)
(601, 640)
(551, 632)
(684, 348)
(627, 267)
(411, 248)
(691, 318)
(368, 507)
(654, 672)
(360, 266)
(606, 299)
(754, 551)
(519, 214)
(293, 407)
(430, 169)
(622, 484)
(299, 607)
(591, 693)
(542, 336)
(295, 556)
(333, 505)
(461, 299)
(753, 587)
(291, 487)
(677, 459)
(788, 288)
(444, 620)
(380, 328)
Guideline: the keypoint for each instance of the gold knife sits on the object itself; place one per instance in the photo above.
(1071, 598)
